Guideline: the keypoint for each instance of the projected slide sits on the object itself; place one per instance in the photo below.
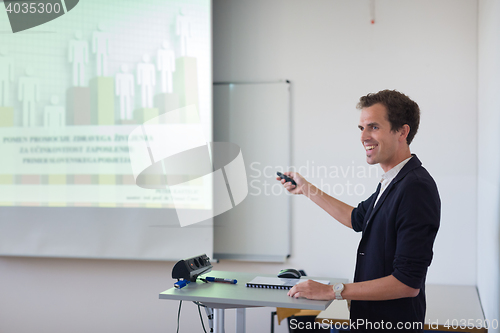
(74, 88)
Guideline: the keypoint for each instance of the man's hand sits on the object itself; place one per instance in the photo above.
(312, 290)
(302, 183)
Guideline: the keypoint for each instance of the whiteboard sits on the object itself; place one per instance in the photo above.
(256, 116)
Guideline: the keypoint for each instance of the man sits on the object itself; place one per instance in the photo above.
(399, 222)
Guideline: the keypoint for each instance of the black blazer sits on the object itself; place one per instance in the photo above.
(398, 235)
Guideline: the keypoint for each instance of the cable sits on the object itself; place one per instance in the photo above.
(179, 315)
(210, 316)
(202, 324)
(199, 311)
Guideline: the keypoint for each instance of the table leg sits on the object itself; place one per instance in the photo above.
(240, 320)
(219, 321)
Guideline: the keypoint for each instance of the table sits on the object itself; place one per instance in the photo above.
(220, 296)
(446, 305)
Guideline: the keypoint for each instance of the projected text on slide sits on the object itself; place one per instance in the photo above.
(74, 88)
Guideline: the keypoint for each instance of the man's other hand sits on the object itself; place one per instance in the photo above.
(312, 290)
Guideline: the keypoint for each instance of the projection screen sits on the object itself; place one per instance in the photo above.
(72, 90)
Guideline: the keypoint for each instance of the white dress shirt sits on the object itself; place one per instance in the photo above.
(389, 176)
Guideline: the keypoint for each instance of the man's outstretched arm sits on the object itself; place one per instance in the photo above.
(336, 208)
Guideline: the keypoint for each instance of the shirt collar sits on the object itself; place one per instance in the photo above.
(391, 174)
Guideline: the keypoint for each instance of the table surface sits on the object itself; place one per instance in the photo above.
(223, 295)
(445, 305)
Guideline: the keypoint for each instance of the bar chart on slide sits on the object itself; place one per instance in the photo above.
(74, 88)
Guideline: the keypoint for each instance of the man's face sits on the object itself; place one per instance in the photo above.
(380, 143)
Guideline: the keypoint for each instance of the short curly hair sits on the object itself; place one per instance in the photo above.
(400, 108)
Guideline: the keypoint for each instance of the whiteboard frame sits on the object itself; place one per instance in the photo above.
(244, 254)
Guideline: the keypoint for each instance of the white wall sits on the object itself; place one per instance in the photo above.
(103, 296)
(488, 263)
(332, 55)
